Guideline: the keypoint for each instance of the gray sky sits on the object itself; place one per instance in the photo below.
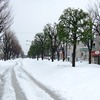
(30, 16)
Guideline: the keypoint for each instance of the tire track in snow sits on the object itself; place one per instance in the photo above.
(2, 82)
(36, 92)
(18, 92)
(41, 86)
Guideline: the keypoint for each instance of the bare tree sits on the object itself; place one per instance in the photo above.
(16, 48)
(94, 12)
(5, 16)
(6, 39)
(11, 47)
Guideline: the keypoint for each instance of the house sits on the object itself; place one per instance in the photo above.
(82, 52)
(96, 52)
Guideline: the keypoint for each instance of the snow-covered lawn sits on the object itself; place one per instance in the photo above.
(29, 79)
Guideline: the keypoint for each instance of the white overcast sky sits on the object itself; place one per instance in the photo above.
(30, 16)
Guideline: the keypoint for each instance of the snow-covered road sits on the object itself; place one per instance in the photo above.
(29, 79)
(17, 84)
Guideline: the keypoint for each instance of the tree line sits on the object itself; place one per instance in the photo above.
(11, 47)
(74, 26)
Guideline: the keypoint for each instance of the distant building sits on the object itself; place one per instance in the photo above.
(96, 52)
(82, 52)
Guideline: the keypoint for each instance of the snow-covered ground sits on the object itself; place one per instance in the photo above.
(29, 79)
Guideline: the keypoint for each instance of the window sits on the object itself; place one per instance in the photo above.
(93, 45)
(99, 43)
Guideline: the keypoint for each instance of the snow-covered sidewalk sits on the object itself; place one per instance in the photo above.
(28, 79)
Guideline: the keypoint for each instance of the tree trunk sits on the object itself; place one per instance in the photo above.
(89, 56)
(42, 56)
(74, 55)
(66, 50)
(4, 56)
(58, 55)
(42, 53)
(52, 50)
(99, 60)
(7, 56)
(63, 54)
(37, 57)
(52, 54)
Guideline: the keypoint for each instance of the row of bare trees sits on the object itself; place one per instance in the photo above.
(11, 47)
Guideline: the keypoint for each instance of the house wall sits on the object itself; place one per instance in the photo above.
(97, 42)
(80, 54)
(97, 48)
